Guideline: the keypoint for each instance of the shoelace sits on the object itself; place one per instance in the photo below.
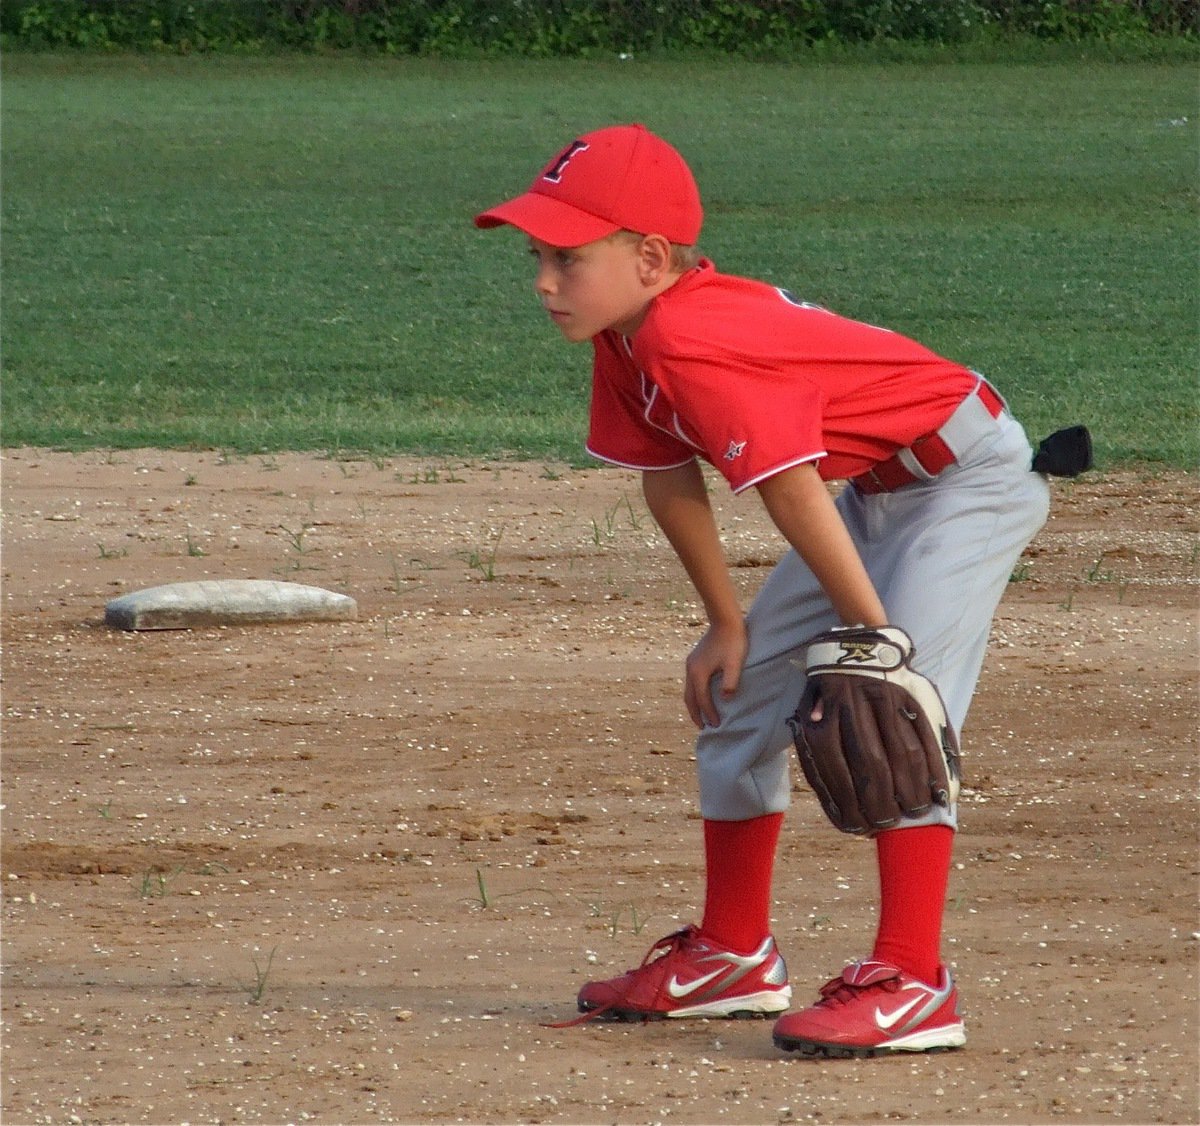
(671, 943)
(840, 992)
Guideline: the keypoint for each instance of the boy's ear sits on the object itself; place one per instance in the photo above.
(654, 258)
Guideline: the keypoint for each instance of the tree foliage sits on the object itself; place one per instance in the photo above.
(557, 28)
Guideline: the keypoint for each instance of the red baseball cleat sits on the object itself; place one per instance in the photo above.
(688, 975)
(875, 1009)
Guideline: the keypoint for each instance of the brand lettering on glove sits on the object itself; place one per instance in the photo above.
(856, 652)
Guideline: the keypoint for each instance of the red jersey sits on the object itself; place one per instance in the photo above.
(754, 381)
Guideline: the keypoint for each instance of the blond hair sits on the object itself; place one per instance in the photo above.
(684, 258)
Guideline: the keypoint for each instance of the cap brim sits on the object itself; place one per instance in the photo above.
(547, 220)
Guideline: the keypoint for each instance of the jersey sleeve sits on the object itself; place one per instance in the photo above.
(750, 420)
(619, 429)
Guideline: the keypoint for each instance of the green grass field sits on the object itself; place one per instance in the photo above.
(260, 254)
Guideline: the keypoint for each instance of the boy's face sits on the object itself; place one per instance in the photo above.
(587, 289)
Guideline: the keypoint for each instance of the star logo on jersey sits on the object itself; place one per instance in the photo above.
(735, 450)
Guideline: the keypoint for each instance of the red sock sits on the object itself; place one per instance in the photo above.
(739, 859)
(914, 869)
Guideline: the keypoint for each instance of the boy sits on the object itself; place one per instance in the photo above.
(782, 397)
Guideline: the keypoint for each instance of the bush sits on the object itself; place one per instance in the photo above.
(569, 27)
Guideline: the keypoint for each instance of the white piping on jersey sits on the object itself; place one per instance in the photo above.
(634, 465)
(676, 428)
(779, 469)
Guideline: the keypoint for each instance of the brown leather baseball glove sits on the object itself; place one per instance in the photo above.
(872, 733)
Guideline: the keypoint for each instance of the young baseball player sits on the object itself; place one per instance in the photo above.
(900, 573)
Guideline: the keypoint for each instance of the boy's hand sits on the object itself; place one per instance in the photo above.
(722, 650)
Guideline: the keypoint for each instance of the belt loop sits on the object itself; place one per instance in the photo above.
(911, 461)
(989, 396)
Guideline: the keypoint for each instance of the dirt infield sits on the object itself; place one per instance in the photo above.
(348, 872)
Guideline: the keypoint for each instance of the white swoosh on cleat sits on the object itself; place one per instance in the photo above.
(677, 990)
(886, 1020)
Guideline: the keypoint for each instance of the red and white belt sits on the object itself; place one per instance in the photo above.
(928, 456)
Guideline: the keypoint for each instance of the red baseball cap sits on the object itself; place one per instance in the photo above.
(619, 178)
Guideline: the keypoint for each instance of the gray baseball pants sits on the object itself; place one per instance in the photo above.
(940, 553)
